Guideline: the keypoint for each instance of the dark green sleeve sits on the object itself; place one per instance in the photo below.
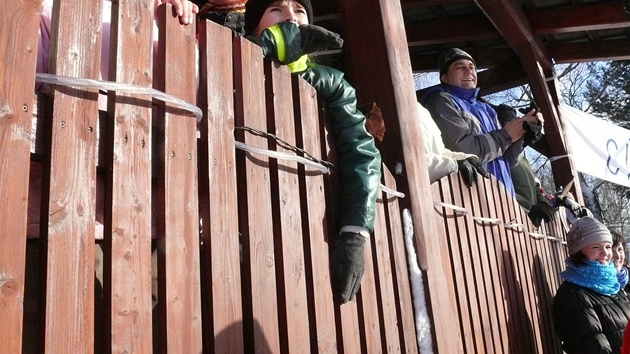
(359, 159)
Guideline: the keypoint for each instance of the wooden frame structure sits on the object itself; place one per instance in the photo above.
(252, 276)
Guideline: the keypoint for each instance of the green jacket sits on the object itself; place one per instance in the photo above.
(359, 160)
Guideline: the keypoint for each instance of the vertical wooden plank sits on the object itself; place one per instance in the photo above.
(288, 229)
(221, 251)
(447, 223)
(178, 258)
(128, 164)
(385, 282)
(529, 248)
(315, 220)
(478, 262)
(255, 214)
(505, 280)
(523, 279)
(69, 307)
(492, 276)
(18, 25)
(402, 287)
(368, 306)
(466, 233)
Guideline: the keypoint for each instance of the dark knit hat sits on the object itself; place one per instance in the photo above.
(585, 231)
(449, 56)
(254, 10)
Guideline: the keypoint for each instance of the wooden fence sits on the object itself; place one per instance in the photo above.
(240, 239)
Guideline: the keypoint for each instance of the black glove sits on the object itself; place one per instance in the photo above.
(532, 105)
(533, 133)
(316, 38)
(541, 211)
(347, 265)
(570, 204)
(469, 168)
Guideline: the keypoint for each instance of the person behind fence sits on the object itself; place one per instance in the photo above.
(284, 31)
(589, 310)
(469, 125)
(619, 259)
(442, 161)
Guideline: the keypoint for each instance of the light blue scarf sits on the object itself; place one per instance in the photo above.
(595, 276)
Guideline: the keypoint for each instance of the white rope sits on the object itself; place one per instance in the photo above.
(281, 156)
(299, 159)
(512, 225)
(390, 191)
(491, 221)
(554, 158)
(119, 87)
(455, 208)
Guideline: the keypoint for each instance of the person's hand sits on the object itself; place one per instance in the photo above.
(570, 204)
(185, 10)
(516, 128)
(469, 168)
(347, 265)
(316, 38)
(541, 211)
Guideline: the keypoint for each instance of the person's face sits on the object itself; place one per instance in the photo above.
(599, 251)
(462, 73)
(281, 11)
(618, 256)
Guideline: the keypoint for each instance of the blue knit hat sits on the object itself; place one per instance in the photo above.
(254, 10)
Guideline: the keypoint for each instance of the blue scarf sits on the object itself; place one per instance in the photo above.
(595, 276)
(622, 277)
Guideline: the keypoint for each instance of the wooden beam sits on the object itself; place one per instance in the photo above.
(510, 20)
(376, 44)
(449, 31)
(590, 51)
(592, 17)
(543, 85)
(329, 7)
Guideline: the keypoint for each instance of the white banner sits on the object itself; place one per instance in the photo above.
(598, 148)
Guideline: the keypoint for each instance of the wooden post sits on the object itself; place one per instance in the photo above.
(378, 57)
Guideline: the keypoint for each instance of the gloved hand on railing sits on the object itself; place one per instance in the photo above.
(347, 265)
(577, 210)
(541, 211)
(316, 38)
(469, 168)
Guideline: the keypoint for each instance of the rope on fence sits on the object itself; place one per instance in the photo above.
(119, 87)
(282, 156)
(455, 208)
(491, 221)
(308, 159)
(515, 226)
(512, 225)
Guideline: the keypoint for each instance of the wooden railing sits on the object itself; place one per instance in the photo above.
(240, 239)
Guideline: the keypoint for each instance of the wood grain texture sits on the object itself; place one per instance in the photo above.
(179, 296)
(18, 46)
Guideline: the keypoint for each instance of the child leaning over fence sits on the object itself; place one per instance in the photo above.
(282, 29)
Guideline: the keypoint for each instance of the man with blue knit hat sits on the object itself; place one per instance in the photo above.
(470, 125)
